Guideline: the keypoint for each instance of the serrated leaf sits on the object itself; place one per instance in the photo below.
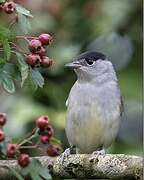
(24, 69)
(6, 80)
(2, 60)
(12, 70)
(7, 49)
(36, 171)
(22, 10)
(36, 78)
(44, 173)
(16, 174)
(40, 170)
(5, 33)
(55, 141)
(8, 84)
(34, 176)
(24, 23)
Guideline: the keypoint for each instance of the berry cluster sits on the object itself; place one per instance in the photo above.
(12, 150)
(37, 48)
(45, 132)
(8, 7)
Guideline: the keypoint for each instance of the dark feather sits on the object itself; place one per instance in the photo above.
(91, 55)
(121, 107)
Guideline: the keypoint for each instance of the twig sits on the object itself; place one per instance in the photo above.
(29, 147)
(27, 137)
(12, 23)
(27, 38)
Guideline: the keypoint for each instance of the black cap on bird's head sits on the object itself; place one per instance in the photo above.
(86, 59)
(92, 65)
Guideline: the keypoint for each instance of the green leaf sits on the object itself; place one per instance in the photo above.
(34, 175)
(24, 23)
(16, 174)
(24, 69)
(55, 141)
(36, 79)
(12, 70)
(8, 84)
(2, 60)
(6, 79)
(43, 172)
(4, 33)
(40, 170)
(36, 171)
(22, 10)
(29, 139)
(7, 49)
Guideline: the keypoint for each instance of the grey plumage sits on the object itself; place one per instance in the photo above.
(93, 105)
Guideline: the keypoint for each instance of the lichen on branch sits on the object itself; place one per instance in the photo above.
(84, 166)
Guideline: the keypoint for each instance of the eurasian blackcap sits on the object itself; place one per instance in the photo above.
(94, 103)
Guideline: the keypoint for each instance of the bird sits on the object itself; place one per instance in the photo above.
(94, 104)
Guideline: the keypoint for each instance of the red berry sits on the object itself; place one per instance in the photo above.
(45, 39)
(46, 61)
(33, 60)
(23, 160)
(53, 150)
(2, 135)
(11, 150)
(44, 139)
(35, 45)
(42, 51)
(49, 131)
(2, 119)
(9, 7)
(42, 122)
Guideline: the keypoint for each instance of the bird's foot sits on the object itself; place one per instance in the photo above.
(67, 153)
(101, 152)
(96, 154)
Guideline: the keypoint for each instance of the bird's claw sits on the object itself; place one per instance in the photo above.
(65, 155)
(101, 152)
(96, 154)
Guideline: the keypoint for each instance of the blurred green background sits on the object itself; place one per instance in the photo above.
(111, 26)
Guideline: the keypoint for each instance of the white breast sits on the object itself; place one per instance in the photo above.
(92, 116)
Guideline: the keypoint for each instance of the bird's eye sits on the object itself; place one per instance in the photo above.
(89, 62)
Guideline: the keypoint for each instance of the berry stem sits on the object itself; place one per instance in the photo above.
(29, 147)
(12, 23)
(15, 47)
(27, 38)
(27, 137)
(18, 52)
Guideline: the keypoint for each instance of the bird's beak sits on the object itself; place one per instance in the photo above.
(73, 65)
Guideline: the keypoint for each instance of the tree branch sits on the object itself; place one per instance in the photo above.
(109, 166)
